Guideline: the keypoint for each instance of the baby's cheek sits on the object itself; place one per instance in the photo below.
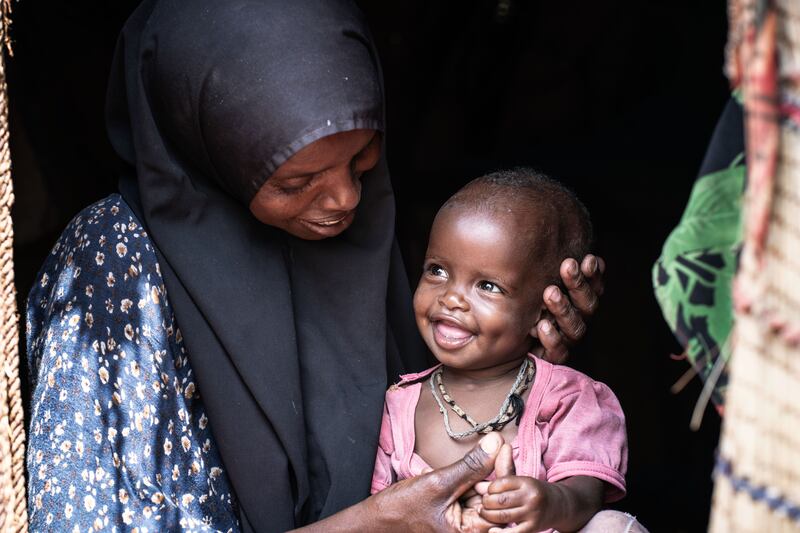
(529, 316)
(417, 299)
(519, 322)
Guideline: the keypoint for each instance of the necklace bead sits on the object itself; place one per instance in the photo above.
(511, 409)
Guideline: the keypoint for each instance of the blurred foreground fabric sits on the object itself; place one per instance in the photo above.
(757, 485)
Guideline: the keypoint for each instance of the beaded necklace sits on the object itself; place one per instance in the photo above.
(512, 407)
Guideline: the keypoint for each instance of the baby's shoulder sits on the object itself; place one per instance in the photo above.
(567, 376)
(565, 386)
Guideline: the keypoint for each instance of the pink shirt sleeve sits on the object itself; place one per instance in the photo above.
(586, 431)
(382, 475)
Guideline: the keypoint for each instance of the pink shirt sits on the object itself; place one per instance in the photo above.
(571, 426)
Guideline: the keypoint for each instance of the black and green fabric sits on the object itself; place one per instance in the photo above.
(692, 277)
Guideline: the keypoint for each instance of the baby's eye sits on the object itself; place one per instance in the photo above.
(436, 270)
(489, 287)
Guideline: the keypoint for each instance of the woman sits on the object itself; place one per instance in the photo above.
(250, 259)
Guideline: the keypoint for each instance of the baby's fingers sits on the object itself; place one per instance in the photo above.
(504, 500)
(524, 527)
(505, 484)
(505, 506)
(473, 502)
(504, 516)
(504, 464)
(469, 494)
(482, 487)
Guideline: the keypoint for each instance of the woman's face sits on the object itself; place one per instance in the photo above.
(314, 194)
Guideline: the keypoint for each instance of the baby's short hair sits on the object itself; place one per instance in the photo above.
(567, 226)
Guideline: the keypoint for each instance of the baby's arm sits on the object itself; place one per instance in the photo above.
(534, 505)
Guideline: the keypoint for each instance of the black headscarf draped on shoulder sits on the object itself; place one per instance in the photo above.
(290, 341)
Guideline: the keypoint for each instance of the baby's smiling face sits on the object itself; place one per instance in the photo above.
(480, 294)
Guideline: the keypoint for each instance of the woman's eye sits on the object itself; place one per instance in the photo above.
(368, 158)
(355, 171)
(436, 270)
(488, 286)
(295, 185)
(357, 164)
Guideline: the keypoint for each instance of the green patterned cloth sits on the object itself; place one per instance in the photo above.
(692, 277)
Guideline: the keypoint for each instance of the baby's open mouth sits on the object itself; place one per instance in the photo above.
(449, 335)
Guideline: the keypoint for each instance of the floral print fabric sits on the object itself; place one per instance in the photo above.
(118, 438)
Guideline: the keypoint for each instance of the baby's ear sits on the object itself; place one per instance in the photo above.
(544, 313)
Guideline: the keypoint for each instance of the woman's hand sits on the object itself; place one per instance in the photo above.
(426, 503)
(431, 502)
(584, 284)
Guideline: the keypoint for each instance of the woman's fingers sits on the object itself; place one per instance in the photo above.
(555, 349)
(593, 268)
(569, 320)
(576, 280)
(584, 284)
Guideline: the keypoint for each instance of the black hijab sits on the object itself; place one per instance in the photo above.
(290, 341)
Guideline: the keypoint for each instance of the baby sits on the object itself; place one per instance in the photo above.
(494, 247)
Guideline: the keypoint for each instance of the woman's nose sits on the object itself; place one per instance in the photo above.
(452, 298)
(342, 192)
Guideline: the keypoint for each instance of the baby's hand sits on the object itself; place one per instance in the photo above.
(533, 505)
(472, 499)
(471, 521)
(522, 500)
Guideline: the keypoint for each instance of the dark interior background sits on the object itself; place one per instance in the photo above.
(617, 98)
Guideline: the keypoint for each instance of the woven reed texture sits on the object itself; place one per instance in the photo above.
(13, 510)
(760, 445)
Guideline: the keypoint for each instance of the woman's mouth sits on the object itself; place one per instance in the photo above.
(450, 336)
(331, 226)
(330, 222)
